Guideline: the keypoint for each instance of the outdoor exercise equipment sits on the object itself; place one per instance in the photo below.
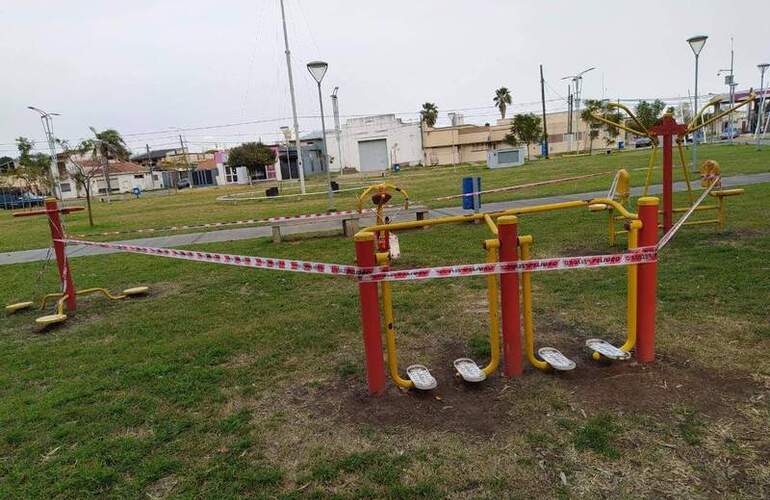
(507, 247)
(380, 199)
(66, 299)
(671, 132)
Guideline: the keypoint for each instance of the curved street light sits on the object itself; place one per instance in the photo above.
(318, 69)
(696, 44)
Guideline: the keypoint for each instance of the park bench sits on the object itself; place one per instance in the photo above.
(349, 221)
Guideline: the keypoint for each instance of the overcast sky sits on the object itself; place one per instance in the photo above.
(150, 66)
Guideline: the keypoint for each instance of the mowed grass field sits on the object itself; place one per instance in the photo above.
(228, 382)
(199, 206)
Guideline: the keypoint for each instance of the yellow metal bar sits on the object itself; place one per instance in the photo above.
(490, 224)
(611, 227)
(633, 242)
(619, 125)
(721, 213)
(60, 304)
(691, 128)
(650, 168)
(615, 205)
(494, 328)
(629, 113)
(685, 170)
(390, 331)
(698, 208)
(49, 296)
(103, 291)
(526, 281)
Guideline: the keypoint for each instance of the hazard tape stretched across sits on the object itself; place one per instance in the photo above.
(298, 266)
(670, 234)
(375, 274)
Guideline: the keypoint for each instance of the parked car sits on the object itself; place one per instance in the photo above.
(182, 183)
(642, 142)
(12, 200)
(32, 200)
(726, 134)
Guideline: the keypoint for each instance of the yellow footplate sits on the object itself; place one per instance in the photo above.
(606, 349)
(421, 377)
(12, 308)
(469, 370)
(51, 319)
(556, 359)
(139, 290)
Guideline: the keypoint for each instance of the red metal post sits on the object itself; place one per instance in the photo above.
(509, 297)
(57, 233)
(647, 282)
(668, 127)
(371, 324)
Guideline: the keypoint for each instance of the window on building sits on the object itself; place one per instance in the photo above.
(138, 176)
(154, 177)
(65, 187)
(231, 174)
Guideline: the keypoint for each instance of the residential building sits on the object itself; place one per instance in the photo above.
(124, 177)
(375, 143)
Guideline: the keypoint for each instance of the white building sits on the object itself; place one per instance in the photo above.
(124, 177)
(375, 143)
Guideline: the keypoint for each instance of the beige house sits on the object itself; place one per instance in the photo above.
(470, 143)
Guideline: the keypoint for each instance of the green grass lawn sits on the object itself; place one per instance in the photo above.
(423, 184)
(227, 381)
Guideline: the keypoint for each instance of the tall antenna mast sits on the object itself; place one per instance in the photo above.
(293, 107)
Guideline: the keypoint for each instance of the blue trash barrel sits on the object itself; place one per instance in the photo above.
(621, 145)
(471, 185)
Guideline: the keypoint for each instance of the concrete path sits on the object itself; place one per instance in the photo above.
(247, 233)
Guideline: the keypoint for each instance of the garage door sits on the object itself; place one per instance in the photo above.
(373, 155)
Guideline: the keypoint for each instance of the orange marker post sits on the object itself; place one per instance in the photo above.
(370, 316)
(509, 297)
(647, 282)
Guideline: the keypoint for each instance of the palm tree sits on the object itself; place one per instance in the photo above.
(108, 145)
(502, 99)
(429, 114)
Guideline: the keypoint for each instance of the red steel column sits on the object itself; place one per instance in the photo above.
(509, 297)
(371, 324)
(647, 282)
(57, 233)
(667, 182)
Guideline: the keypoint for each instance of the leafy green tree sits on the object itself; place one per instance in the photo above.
(252, 155)
(592, 106)
(107, 145)
(502, 99)
(525, 128)
(648, 113)
(429, 114)
(33, 168)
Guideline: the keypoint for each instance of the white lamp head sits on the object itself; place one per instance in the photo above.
(317, 69)
(697, 43)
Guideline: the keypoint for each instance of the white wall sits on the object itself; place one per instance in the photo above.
(403, 140)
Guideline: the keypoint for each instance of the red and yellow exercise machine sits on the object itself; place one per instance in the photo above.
(671, 132)
(380, 199)
(67, 298)
(505, 335)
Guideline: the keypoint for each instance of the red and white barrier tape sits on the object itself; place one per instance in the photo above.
(298, 266)
(638, 256)
(670, 234)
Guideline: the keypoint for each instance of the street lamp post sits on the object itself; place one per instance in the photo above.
(761, 111)
(318, 69)
(47, 119)
(336, 111)
(696, 44)
(578, 80)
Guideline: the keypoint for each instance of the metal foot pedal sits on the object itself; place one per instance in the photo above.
(51, 319)
(139, 290)
(12, 308)
(421, 377)
(606, 349)
(556, 359)
(469, 370)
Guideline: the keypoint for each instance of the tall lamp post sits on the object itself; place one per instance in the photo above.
(578, 80)
(318, 69)
(696, 44)
(287, 136)
(47, 119)
(761, 112)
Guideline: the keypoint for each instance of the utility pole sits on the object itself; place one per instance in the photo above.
(730, 82)
(761, 111)
(47, 119)
(336, 109)
(569, 116)
(545, 124)
(149, 165)
(186, 160)
(293, 104)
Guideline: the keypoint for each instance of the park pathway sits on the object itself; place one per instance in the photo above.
(179, 240)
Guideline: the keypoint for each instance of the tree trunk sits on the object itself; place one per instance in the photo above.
(88, 205)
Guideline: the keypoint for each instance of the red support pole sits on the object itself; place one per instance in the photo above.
(57, 233)
(370, 316)
(647, 282)
(668, 181)
(509, 297)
